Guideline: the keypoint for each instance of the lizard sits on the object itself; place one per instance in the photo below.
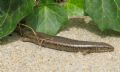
(64, 44)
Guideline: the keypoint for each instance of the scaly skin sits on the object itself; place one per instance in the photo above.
(65, 44)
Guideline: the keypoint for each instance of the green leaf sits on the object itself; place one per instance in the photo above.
(47, 1)
(74, 7)
(11, 12)
(105, 13)
(48, 19)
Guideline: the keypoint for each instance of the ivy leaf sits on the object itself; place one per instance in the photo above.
(105, 13)
(48, 19)
(74, 7)
(47, 1)
(11, 12)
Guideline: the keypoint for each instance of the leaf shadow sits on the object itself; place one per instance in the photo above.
(9, 39)
(91, 27)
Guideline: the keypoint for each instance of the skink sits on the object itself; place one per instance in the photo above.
(65, 44)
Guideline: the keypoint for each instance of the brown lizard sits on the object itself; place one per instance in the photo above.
(64, 44)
